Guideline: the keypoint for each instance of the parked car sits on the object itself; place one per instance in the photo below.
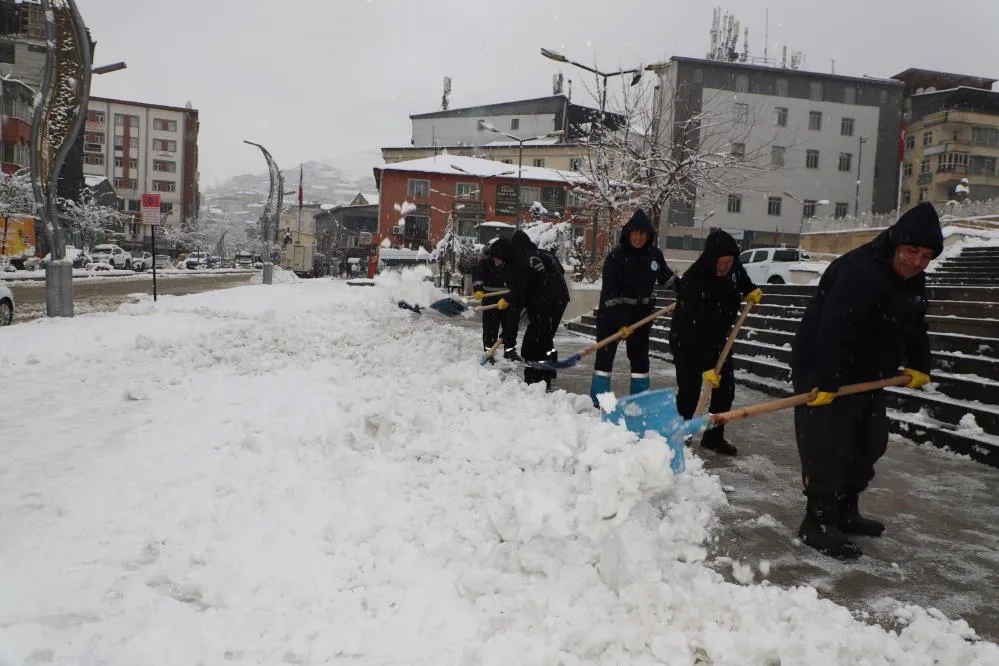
(79, 258)
(6, 305)
(111, 254)
(163, 261)
(772, 265)
(196, 260)
(242, 260)
(142, 261)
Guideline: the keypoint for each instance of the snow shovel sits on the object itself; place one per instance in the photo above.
(574, 360)
(702, 402)
(490, 353)
(412, 308)
(452, 307)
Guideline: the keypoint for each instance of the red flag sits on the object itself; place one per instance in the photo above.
(301, 192)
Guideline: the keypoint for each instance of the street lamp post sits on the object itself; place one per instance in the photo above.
(489, 127)
(272, 211)
(636, 77)
(801, 223)
(856, 198)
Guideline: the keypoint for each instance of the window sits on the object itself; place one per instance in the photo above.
(846, 127)
(781, 116)
(923, 194)
(466, 191)
(906, 196)
(164, 186)
(741, 83)
(94, 137)
(124, 183)
(417, 227)
(910, 142)
(165, 166)
(134, 205)
(120, 118)
(815, 120)
(576, 163)
(812, 159)
(777, 155)
(786, 256)
(539, 161)
(985, 136)
(738, 150)
(924, 166)
(907, 169)
(515, 123)
(119, 142)
(927, 139)
(417, 188)
(774, 206)
(808, 208)
(96, 117)
(842, 210)
(815, 91)
(578, 199)
(741, 112)
(845, 161)
(164, 125)
(849, 95)
(952, 163)
(981, 165)
(94, 160)
(783, 89)
(735, 203)
(746, 257)
(698, 76)
(164, 146)
(166, 207)
(120, 163)
(528, 195)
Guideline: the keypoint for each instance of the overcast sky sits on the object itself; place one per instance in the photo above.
(322, 79)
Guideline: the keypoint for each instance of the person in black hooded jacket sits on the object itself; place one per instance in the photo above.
(631, 272)
(490, 275)
(537, 285)
(868, 316)
(708, 303)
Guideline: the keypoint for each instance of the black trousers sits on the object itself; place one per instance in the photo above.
(840, 443)
(539, 342)
(689, 379)
(493, 321)
(637, 344)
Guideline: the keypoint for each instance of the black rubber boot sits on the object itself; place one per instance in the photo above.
(820, 530)
(851, 522)
(511, 355)
(714, 440)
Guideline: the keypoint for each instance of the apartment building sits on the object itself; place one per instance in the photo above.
(805, 137)
(145, 148)
(952, 135)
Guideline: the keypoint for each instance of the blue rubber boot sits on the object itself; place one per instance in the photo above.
(600, 383)
(640, 383)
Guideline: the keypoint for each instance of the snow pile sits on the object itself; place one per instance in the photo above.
(306, 474)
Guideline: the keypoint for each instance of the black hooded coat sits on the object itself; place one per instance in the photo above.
(535, 277)
(708, 305)
(630, 275)
(865, 319)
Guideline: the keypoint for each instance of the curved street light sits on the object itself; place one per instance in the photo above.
(272, 211)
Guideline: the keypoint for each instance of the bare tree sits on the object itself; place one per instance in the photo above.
(676, 146)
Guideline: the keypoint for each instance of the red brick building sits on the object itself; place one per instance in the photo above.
(426, 191)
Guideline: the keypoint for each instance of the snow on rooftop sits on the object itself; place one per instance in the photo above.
(482, 168)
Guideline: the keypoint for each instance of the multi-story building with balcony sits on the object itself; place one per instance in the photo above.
(952, 135)
(145, 148)
(18, 107)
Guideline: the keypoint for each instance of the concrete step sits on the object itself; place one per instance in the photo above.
(794, 306)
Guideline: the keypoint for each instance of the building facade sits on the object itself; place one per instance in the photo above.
(145, 148)
(18, 109)
(417, 198)
(952, 136)
(805, 138)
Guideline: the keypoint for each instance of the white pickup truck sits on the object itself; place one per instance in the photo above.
(772, 265)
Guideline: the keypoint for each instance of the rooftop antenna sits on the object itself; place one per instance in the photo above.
(832, 69)
(766, 35)
(447, 93)
(783, 58)
(569, 95)
(745, 47)
(557, 83)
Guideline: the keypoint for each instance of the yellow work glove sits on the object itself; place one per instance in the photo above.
(712, 378)
(822, 399)
(916, 378)
(479, 295)
(755, 296)
(503, 304)
(625, 331)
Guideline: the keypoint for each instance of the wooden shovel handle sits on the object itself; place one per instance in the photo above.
(617, 336)
(494, 306)
(704, 399)
(490, 294)
(801, 399)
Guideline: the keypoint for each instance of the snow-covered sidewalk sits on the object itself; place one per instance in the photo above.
(305, 474)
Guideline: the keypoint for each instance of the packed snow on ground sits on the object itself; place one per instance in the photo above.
(303, 473)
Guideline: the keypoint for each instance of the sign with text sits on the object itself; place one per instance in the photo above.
(506, 200)
(151, 209)
(553, 199)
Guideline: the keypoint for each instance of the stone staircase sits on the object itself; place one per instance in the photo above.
(974, 266)
(964, 336)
